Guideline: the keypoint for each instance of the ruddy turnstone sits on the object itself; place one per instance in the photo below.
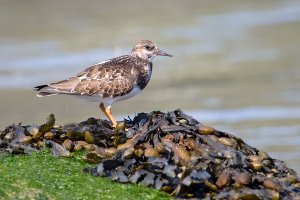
(112, 80)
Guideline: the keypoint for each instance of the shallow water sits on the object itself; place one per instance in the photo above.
(236, 65)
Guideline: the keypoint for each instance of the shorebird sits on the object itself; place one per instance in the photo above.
(111, 80)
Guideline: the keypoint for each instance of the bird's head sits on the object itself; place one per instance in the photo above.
(147, 49)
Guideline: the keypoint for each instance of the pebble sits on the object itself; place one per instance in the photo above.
(32, 130)
(138, 152)
(256, 166)
(128, 153)
(89, 138)
(272, 185)
(129, 133)
(49, 135)
(223, 179)
(254, 158)
(90, 147)
(183, 121)
(79, 145)
(228, 142)
(110, 151)
(68, 144)
(206, 130)
(160, 147)
(9, 136)
(293, 178)
(182, 153)
(244, 178)
(26, 140)
(151, 152)
(263, 155)
(124, 145)
(93, 157)
(40, 144)
(59, 150)
(210, 185)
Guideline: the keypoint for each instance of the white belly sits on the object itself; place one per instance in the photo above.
(108, 100)
(132, 93)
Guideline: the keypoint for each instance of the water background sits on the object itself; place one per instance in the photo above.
(236, 64)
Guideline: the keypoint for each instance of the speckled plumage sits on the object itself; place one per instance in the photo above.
(112, 80)
(103, 80)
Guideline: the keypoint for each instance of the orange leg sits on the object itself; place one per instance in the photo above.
(107, 111)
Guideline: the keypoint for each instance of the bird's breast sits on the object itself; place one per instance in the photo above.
(144, 76)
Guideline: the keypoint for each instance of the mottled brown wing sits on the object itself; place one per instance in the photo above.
(110, 78)
(105, 81)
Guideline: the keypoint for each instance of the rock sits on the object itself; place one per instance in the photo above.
(59, 150)
(223, 179)
(110, 151)
(228, 142)
(244, 178)
(89, 138)
(49, 135)
(151, 152)
(183, 121)
(256, 166)
(171, 152)
(272, 185)
(90, 147)
(79, 145)
(128, 153)
(33, 130)
(9, 136)
(93, 157)
(160, 148)
(138, 152)
(40, 144)
(68, 144)
(206, 130)
(210, 185)
(26, 140)
(182, 153)
(254, 158)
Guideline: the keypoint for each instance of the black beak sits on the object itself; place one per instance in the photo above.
(162, 53)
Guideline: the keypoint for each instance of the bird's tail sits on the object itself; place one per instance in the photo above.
(45, 90)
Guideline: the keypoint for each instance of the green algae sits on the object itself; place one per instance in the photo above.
(42, 176)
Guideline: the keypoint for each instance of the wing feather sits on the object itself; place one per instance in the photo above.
(111, 78)
(107, 82)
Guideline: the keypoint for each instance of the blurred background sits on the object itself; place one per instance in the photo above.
(236, 64)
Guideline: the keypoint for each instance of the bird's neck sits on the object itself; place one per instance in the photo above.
(141, 56)
(145, 64)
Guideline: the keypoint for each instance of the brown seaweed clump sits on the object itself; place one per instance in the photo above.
(170, 151)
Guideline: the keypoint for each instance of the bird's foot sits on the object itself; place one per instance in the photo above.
(120, 126)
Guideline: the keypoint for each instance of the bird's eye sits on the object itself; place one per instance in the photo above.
(147, 47)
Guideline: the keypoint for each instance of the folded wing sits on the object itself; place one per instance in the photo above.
(98, 80)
